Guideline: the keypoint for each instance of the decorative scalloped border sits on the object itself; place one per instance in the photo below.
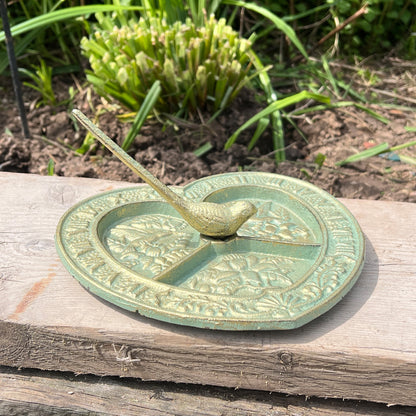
(83, 255)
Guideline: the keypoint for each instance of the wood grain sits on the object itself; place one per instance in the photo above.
(44, 393)
(364, 348)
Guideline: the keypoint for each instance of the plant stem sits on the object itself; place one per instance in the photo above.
(346, 22)
(17, 86)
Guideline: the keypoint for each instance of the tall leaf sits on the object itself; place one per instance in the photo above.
(277, 21)
(277, 105)
(63, 14)
(147, 106)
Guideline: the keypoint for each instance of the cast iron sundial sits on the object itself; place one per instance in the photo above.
(263, 251)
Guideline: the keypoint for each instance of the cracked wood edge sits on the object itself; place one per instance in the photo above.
(34, 392)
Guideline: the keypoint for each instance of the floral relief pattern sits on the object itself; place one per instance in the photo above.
(243, 275)
(275, 222)
(149, 244)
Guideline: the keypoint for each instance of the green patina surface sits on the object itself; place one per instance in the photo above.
(291, 261)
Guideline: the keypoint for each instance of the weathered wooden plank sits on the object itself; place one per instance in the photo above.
(364, 348)
(38, 393)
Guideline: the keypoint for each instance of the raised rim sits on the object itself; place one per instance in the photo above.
(340, 225)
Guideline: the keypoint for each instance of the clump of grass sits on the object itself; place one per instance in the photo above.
(42, 82)
(198, 67)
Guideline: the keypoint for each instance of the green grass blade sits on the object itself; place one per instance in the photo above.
(294, 125)
(278, 22)
(350, 91)
(306, 13)
(51, 167)
(319, 160)
(196, 7)
(205, 148)
(408, 159)
(278, 137)
(403, 146)
(174, 11)
(20, 47)
(410, 128)
(213, 6)
(374, 151)
(372, 113)
(341, 104)
(275, 106)
(261, 126)
(86, 144)
(264, 78)
(147, 106)
(63, 14)
(329, 76)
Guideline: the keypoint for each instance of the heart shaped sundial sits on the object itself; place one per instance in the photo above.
(289, 262)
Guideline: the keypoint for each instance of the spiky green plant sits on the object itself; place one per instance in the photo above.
(197, 67)
(42, 82)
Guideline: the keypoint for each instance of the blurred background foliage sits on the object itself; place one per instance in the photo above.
(281, 47)
(387, 24)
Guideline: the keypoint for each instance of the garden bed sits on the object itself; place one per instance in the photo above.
(168, 152)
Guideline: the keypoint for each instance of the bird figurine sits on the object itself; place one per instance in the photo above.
(208, 218)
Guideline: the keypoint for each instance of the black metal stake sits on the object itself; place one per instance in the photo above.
(13, 69)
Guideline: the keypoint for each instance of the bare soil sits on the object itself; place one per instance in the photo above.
(167, 150)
